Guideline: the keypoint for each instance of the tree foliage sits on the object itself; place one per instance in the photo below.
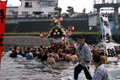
(70, 10)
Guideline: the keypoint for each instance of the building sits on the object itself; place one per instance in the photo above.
(12, 11)
(31, 7)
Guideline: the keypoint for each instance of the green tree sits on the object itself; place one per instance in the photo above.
(84, 10)
(70, 10)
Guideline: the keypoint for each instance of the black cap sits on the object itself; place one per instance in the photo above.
(80, 38)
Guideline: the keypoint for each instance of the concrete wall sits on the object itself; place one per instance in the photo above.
(23, 41)
(10, 27)
(44, 26)
(29, 41)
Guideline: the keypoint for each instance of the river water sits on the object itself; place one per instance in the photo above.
(22, 69)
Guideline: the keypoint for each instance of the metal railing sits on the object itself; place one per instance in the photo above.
(104, 1)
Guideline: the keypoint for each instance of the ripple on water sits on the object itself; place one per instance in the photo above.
(21, 69)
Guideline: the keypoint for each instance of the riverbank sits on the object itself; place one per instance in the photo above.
(33, 39)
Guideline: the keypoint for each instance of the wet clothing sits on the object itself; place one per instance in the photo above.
(85, 54)
(60, 55)
(29, 56)
(13, 55)
(21, 53)
(39, 56)
(42, 57)
(35, 55)
(101, 73)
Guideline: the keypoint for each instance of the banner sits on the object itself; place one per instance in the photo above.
(3, 4)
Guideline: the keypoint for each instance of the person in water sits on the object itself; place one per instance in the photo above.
(84, 58)
(50, 59)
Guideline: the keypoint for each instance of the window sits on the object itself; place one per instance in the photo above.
(25, 13)
(11, 11)
(51, 3)
(28, 4)
(43, 3)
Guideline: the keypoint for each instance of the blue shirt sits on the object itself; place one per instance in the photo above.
(101, 73)
(28, 56)
(84, 52)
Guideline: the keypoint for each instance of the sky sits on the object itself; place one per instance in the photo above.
(78, 5)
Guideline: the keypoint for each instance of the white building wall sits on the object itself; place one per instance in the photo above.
(11, 10)
(46, 10)
(35, 7)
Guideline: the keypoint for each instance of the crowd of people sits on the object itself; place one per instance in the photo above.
(45, 53)
(82, 53)
(65, 15)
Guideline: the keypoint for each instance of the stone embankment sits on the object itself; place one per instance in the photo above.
(24, 41)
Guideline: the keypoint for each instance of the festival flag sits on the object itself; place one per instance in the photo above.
(49, 32)
(61, 19)
(41, 35)
(3, 4)
(72, 28)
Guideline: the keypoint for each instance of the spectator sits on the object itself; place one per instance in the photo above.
(100, 72)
